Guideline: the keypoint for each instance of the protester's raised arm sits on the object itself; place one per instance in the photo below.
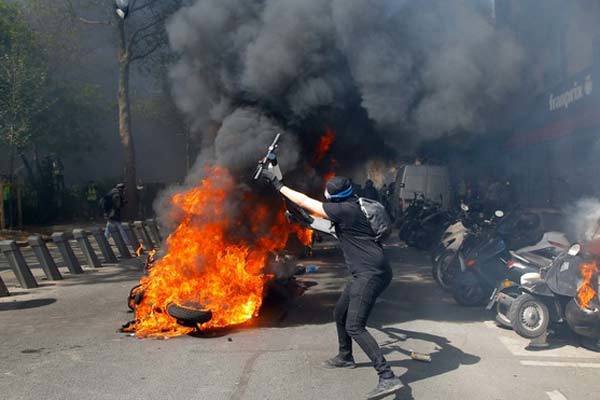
(313, 206)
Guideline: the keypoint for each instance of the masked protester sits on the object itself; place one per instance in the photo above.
(370, 270)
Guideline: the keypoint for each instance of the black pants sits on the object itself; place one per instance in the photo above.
(351, 314)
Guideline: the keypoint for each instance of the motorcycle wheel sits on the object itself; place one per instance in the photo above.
(529, 316)
(437, 252)
(445, 270)
(467, 291)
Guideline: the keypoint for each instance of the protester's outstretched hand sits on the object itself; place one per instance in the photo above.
(270, 177)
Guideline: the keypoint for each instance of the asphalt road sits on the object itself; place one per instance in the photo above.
(60, 341)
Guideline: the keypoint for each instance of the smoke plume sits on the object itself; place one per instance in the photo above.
(583, 220)
(382, 74)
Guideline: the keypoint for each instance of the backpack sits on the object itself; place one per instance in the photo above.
(106, 203)
(377, 216)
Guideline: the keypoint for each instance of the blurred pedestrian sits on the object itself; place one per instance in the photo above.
(141, 193)
(58, 179)
(369, 191)
(112, 204)
(91, 198)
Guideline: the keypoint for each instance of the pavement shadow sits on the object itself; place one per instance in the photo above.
(445, 359)
(25, 304)
(407, 298)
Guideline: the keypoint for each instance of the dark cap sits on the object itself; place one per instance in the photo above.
(338, 188)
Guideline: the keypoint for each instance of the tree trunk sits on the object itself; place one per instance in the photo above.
(129, 172)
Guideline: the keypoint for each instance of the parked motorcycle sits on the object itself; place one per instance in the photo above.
(485, 265)
(418, 209)
(508, 289)
(443, 256)
(429, 229)
(564, 292)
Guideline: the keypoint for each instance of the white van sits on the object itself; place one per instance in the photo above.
(430, 180)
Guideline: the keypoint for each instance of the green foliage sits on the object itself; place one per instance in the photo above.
(70, 124)
(56, 116)
(23, 78)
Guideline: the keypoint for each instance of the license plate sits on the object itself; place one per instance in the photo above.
(492, 300)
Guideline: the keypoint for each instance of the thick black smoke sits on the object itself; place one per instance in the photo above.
(382, 74)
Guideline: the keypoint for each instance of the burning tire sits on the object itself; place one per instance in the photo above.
(529, 316)
(190, 314)
(135, 297)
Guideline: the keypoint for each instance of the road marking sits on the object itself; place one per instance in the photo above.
(517, 346)
(556, 395)
(531, 363)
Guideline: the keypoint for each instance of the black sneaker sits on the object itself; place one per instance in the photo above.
(385, 388)
(339, 362)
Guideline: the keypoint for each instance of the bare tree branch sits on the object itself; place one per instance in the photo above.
(74, 14)
(147, 53)
(134, 38)
(148, 3)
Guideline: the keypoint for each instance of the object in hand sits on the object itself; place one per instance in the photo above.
(269, 158)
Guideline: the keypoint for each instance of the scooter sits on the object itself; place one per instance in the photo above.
(453, 236)
(443, 256)
(485, 266)
(508, 289)
(566, 292)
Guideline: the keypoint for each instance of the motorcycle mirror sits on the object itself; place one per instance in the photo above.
(574, 249)
(464, 207)
(499, 213)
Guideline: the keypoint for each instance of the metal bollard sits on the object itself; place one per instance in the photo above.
(86, 248)
(139, 227)
(17, 263)
(153, 227)
(66, 252)
(3, 289)
(45, 259)
(105, 248)
(133, 238)
(119, 241)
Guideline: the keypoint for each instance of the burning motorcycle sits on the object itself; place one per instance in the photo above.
(566, 292)
(270, 264)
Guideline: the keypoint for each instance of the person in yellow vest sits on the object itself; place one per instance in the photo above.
(91, 198)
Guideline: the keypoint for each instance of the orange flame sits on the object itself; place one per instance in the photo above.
(588, 289)
(324, 145)
(140, 250)
(204, 265)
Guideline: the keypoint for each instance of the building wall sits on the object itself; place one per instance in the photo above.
(561, 39)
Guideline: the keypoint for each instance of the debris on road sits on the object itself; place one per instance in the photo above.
(420, 357)
(309, 269)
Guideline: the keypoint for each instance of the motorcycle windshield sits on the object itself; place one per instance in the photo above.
(563, 274)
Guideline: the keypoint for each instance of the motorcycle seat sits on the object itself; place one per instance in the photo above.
(530, 277)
